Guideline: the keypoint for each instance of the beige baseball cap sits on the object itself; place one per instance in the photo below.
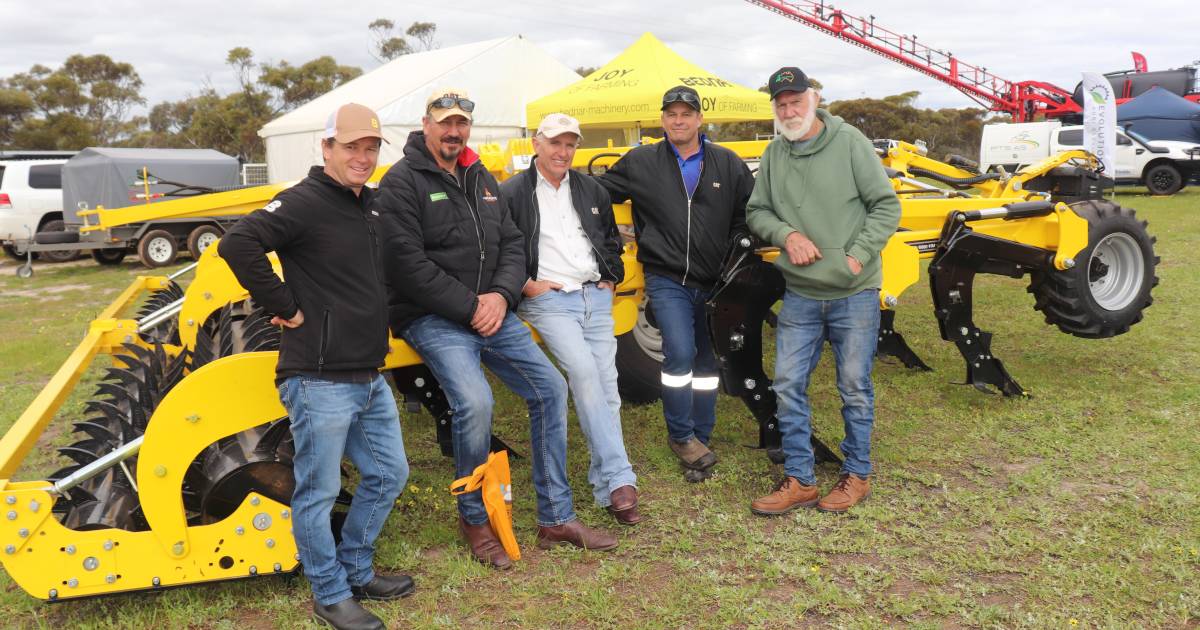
(352, 122)
(446, 102)
(557, 124)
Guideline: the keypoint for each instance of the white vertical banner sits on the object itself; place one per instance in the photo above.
(1100, 120)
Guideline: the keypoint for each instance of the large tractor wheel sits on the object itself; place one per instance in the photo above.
(1109, 287)
(639, 361)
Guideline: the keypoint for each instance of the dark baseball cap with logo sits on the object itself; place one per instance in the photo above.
(787, 79)
(681, 94)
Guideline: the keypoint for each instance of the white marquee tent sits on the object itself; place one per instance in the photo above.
(501, 75)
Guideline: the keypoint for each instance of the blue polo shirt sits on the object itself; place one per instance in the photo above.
(690, 168)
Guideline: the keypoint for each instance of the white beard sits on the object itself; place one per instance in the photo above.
(796, 128)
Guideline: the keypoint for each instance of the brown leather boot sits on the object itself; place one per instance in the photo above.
(574, 533)
(849, 491)
(788, 495)
(624, 505)
(693, 454)
(484, 545)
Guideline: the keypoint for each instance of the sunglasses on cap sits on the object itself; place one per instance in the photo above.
(446, 102)
(681, 96)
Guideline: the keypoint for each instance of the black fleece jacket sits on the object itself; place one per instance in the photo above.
(593, 206)
(682, 238)
(445, 243)
(327, 242)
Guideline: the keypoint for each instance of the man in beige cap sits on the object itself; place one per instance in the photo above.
(338, 403)
(573, 260)
(456, 266)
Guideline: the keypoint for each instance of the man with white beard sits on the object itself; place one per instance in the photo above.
(822, 196)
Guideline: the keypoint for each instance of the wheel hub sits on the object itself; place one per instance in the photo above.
(1116, 271)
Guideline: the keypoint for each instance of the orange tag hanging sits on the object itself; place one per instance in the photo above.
(494, 479)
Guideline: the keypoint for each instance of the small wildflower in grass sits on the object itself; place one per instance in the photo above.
(1074, 621)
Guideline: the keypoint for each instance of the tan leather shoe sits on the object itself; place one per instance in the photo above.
(788, 495)
(624, 505)
(693, 454)
(849, 491)
(484, 545)
(574, 533)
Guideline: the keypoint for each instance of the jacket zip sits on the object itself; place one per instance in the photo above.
(478, 227)
(324, 341)
(687, 252)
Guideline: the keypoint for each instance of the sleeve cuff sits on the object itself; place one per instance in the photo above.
(780, 237)
(861, 254)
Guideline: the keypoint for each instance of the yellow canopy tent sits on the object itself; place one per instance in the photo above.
(628, 90)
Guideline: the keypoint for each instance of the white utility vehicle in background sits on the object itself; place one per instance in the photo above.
(31, 198)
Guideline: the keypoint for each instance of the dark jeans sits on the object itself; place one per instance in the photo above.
(689, 371)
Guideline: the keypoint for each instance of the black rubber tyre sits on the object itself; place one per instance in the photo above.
(1109, 287)
(11, 252)
(157, 248)
(54, 232)
(1163, 179)
(639, 363)
(200, 238)
(109, 256)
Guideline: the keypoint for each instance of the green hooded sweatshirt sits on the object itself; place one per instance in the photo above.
(834, 191)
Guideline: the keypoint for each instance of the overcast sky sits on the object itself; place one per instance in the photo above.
(179, 47)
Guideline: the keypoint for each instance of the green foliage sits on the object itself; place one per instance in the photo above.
(388, 45)
(897, 117)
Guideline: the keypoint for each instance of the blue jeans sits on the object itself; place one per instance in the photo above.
(453, 353)
(852, 327)
(329, 420)
(689, 371)
(577, 327)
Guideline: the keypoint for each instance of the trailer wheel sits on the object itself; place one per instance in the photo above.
(55, 231)
(157, 248)
(201, 238)
(1163, 179)
(112, 256)
(1109, 287)
(11, 252)
(639, 361)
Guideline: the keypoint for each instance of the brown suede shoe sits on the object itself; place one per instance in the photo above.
(848, 492)
(624, 505)
(693, 454)
(484, 545)
(788, 495)
(574, 533)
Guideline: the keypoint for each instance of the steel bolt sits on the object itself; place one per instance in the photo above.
(12, 515)
(891, 300)
(963, 331)
(156, 581)
(34, 505)
(254, 501)
(750, 383)
(177, 548)
(1069, 263)
(191, 322)
(73, 582)
(10, 499)
(207, 295)
(278, 567)
(419, 382)
(108, 545)
(758, 397)
(128, 338)
(262, 521)
(270, 543)
(53, 593)
(70, 550)
(110, 578)
(239, 530)
(194, 418)
(90, 563)
(253, 570)
(23, 532)
(285, 514)
(160, 471)
(10, 550)
(297, 556)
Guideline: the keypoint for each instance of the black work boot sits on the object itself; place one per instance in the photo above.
(385, 587)
(347, 615)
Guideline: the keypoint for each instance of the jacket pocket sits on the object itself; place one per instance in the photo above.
(830, 271)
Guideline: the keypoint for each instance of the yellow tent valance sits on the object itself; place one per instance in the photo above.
(628, 91)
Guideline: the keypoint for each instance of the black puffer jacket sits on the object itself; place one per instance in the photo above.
(593, 206)
(445, 243)
(680, 238)
(328, 246)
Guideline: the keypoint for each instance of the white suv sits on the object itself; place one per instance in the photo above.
(31, 198)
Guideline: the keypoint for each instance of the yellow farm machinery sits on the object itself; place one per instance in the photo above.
(180, 468)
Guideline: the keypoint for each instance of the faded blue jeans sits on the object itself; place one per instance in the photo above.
(577, 327)
(454, 353)
(851, 325)
(689, 371)
(331, 420)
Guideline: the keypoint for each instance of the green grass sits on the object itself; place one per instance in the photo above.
(1076, 507)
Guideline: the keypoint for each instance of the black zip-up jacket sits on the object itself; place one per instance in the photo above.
(593, 206)
(446, 243)
(682, 238)
(327, 241)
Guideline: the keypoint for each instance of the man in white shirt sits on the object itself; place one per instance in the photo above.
(573, 258)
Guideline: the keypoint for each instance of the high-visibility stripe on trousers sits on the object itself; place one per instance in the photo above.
(703, 383)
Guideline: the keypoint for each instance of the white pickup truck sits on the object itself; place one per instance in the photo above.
(1163, 166)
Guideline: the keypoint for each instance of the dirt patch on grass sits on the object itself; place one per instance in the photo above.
(43, 291)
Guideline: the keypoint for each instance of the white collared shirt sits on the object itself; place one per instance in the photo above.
(564, 251)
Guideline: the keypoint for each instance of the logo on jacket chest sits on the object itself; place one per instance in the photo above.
(488, 196)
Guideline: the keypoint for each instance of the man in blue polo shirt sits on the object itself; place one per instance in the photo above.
(689, 199)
